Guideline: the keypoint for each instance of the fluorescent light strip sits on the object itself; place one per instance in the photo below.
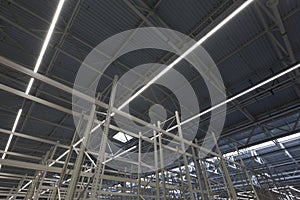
(292, 187)
(238, 95)
(7, 145)
(99, 124)
(49, 34)
(187, 52)
(78, 142)
(38, 64)
(11, 135)
(29, 86)
(46, 43)
(229, 100)
(17, 120)
(182, 56)
(45, 191)
(210, 33)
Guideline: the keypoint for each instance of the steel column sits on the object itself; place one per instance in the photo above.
(80, 157)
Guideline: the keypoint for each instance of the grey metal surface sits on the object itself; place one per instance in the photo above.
(241, 49)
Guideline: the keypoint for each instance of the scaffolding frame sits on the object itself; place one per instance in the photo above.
(96, 181)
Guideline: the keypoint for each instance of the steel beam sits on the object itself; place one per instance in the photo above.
(101, 154)
(79, 160)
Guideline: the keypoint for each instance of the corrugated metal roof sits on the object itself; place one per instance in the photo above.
(98, 20)
(183, 16)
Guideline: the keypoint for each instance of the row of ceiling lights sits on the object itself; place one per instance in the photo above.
(181, 57)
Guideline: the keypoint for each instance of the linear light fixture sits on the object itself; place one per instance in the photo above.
(29, 86)
(11, 135)
(36, 68)
(192, 48)
(210, 33)
(239, 95)
(17, 120)
(229, 100)
(46, 42)
(292, 187)
(49, 34)
(187, 52)
(199, 42)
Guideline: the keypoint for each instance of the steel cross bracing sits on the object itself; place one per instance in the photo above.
(57, 47)
(217, 186)
(15, 66)
(19, 164)
(61, 41)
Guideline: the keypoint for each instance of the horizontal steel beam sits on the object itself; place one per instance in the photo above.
(90, 99)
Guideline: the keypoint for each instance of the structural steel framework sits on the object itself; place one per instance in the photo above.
(217, 176)
(214, 177)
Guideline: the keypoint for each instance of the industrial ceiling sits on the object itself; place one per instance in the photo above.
(260, 42)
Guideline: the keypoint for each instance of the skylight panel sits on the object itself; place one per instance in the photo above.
(122, 137)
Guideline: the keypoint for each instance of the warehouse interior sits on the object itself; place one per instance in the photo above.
(149, 124)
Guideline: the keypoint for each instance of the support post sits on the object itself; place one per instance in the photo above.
(156, 166)
(101, 155)
(37, 195)
(227, 179)
(196, 163)
(77, 166)
(247, 175)
(162, 162)
(139, 166)
(14, 196)
(32, 188)
(187, 172)
(65, 166)
(181, 180)
(205, 174)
